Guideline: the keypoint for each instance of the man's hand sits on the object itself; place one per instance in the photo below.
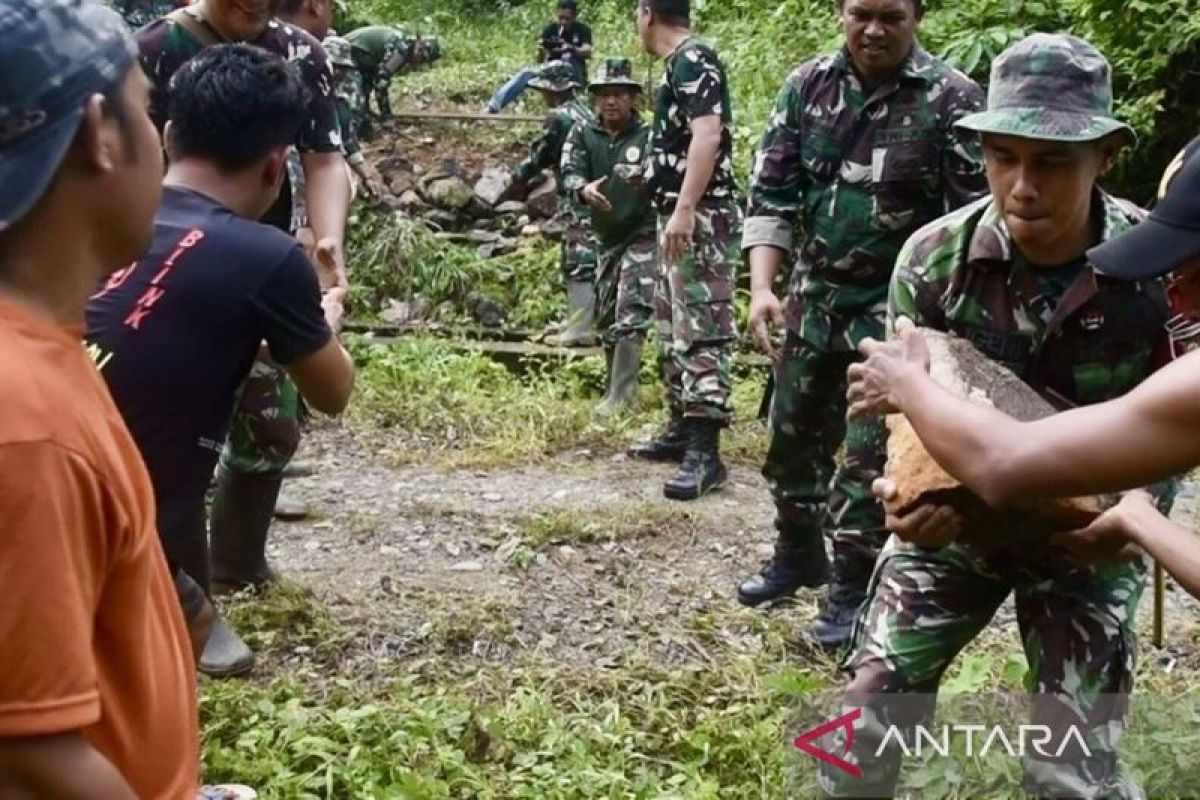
(1113, 534)
(333, 303)
(766, 315)
(929, 526)
(331, 267)
(595, 198)
(678, 234)
(871, 384)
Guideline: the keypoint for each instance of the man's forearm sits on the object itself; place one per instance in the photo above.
(702, 162)
(1172, 545)
(62, 766)
(764, 266)
(328, 195)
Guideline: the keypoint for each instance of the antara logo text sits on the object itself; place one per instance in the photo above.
(978, 741)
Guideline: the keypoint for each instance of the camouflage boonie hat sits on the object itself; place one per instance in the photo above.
(614, 72)
(338, 50)
(1052, 87)
(556, 76)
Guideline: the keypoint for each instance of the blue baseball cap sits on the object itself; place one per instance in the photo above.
(54, 55)
(1170, 237)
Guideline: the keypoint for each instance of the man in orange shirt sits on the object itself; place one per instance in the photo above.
(97, 688)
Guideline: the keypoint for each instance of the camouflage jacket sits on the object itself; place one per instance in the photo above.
(166, 46)
(1083, 339)
(546, 150)
(375, 46)
(694, 85)
(351, 110)
(844, 176)
(590, 154)
(139, 13)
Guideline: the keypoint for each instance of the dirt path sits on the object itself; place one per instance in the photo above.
(578, 559)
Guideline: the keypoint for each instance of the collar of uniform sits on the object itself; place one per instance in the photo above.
(991, 242)
(918, 66)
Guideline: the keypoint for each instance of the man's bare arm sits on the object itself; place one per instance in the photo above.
(328, 197)
(1148, 435)
(58, 767)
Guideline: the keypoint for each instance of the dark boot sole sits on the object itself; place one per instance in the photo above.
(754, 600)
(657, 457)
(672, 493)
(233, 671)
(831, 642)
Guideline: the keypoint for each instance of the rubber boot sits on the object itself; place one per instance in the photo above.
(799, 561)
(622, 378)
(290, 508)
(670, 445)
(701, 471)
(852, 569)
(580, 328)
(225, 655)
(241, 518)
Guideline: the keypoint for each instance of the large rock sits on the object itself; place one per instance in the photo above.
(513, 207)
(493, 186)
(450, 193)
(957, 366)
(543, 201)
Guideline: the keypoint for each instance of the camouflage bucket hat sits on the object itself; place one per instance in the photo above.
(614, 72)
(556, 76)
(1052, 87)
(338, 50)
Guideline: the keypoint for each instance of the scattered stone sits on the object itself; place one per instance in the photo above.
(388, 550)
(531, 230)
(467, 566)
(512, 207)
(493, 185)
(498, 248)
(492, 497)
(543, 201)
(396, 312)
(442, 220)
(451, 193)
(483, 237)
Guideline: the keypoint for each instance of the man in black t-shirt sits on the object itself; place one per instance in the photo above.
(565, 39)
(176, 332)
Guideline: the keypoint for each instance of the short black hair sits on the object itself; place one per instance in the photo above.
(671, 12)
(290, 6)
(234, 103)
(918, 6)
(568, 5)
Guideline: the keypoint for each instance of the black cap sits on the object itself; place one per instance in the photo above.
(1172, 234)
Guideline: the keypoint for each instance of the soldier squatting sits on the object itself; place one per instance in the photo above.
(886, 192)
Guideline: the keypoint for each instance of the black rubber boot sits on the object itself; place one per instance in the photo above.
(852, 569)
(225, 655)
(670, 445)
(701, 471)
(799, 561)
(241, 518)
(623, 374)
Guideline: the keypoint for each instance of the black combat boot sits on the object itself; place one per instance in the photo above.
(670, 445)
(701, 470)
(852, 569)
(799, 561)
(241, 518)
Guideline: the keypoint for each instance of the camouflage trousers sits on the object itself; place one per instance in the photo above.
(693, 311)
(1076, 625)
(266, 423)
(813, 493)
(579, 258)
(625, 289)
(374, 84)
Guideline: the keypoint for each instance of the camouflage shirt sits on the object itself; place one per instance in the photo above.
(843, 176)
(546, 150)
(139, 13)
(351, 110)
(377, 46)
(591, 154)
(165, 46)
(694, 85)
(1077, 338)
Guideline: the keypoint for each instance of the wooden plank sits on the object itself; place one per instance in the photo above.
(452, 116)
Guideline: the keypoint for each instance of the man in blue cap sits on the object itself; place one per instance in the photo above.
(98, 695)
(1148, 435)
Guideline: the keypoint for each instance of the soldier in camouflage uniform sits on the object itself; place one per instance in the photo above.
(859, 153)
(601, 168)
(139, 13)
(379, 52)
(689, 172)
(351, 108)
(1010, 274)
(266, 428)
(558, 83)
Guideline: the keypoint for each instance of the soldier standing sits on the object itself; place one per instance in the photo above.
(557, 82)
(601, 168)
(1011, 274)
(689, 172)
(859, 154)
(351, 108)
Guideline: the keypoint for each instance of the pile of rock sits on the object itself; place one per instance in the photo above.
(490, 210)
